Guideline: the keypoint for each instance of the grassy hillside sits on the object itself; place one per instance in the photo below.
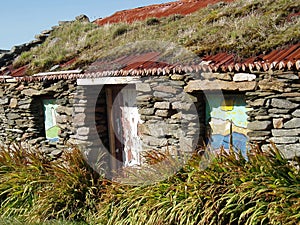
(246, 28)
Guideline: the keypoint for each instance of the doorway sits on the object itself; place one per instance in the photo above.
(123, 120)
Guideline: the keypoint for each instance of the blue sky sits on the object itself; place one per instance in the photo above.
(20, 20)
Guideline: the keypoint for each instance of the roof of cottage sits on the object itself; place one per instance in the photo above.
(152, 64)
(238, 36)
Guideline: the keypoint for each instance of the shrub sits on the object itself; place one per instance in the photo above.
(119, 31)
(152, 21)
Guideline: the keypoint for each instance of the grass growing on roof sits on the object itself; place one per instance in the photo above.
(246, 28)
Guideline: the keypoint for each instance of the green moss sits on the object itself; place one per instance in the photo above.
(245, 27)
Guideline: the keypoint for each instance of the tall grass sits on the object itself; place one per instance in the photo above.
(35, 189)
(265, 189)
(262, 189)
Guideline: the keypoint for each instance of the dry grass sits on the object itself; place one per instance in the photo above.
(246, 28)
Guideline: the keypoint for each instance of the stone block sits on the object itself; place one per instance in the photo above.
(146, 111)
(177, 77)
(162, 113)
(64, 110)
(177, 83)
(143, 87)
(31, 92)
(79, 119)
(295, 99)
(259, 139)
(284, 116)
(284, 140)
(208, 76)
(62, 119)
(26, 106)
(205, 85)
(187, 144)
(144, 98)
(182, 106)
(13, 103)
(258, 133)
(257, 102)
(289, 150)
(283, 104)
(4, 101)
(279, 111)
(13, 116)
(177, 116)
(162, 95)
(278, 123)
(154, 141)
(244, 77)
(162, 105)
(81, 109)
(25, 101)
(189, 98)
(223, 76)
(18, 131)
(288, 76)
(189, 117)
(267, 85)
(285, 132)
(262, 117)
(83, 131)
(293, 123)
(296, 113)
(81, 138)
(259, 125)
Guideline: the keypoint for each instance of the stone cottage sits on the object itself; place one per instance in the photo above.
(135, 101)
(151, 104)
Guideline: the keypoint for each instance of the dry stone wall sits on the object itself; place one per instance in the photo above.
(91, 125)
(172, 109)
(275, 117)
(172, 119)
(22, 113)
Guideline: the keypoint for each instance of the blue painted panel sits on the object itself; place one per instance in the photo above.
(226, 116)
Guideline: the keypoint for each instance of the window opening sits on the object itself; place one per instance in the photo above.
(51, 128)
(226, 121)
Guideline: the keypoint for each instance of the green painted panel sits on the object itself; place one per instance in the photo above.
(51, 128)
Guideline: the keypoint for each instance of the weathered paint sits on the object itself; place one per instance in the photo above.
(125, 119)
(130, 120)
(51, 128)
(227, 121)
